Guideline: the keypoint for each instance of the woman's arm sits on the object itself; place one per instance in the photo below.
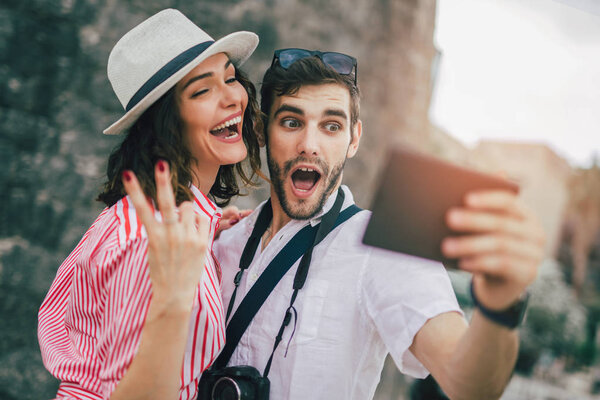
(176, 253)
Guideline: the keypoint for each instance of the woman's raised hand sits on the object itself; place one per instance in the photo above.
(176, 245)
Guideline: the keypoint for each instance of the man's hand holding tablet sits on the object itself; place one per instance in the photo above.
(466, 219)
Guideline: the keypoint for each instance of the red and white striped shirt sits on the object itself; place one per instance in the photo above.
(91, 320)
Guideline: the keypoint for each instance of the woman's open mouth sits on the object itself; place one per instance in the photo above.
(228, 131)
(304, 180)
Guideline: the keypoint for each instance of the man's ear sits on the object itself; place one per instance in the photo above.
(355, 139)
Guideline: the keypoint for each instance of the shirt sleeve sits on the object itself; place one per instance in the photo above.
(400, 293)
(127, 299)
(91, 320)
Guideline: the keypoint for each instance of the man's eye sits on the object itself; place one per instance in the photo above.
(290, 123)
(333, 127)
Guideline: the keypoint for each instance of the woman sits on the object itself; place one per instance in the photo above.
(111, 325)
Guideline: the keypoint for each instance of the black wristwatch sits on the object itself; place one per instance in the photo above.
(510, 317)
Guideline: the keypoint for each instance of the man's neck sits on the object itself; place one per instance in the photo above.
(280, 219)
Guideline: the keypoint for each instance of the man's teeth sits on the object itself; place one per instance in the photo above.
(306, 169)
(225, 124)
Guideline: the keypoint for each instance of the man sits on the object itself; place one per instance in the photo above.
(359, 303)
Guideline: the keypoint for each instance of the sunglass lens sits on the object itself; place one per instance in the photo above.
(339, 62)
(290, 56)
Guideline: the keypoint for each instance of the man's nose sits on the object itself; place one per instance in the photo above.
(308, 143)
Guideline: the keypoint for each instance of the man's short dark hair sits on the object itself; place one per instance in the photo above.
(307, 71)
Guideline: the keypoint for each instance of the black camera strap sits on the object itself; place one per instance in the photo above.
(300, 245)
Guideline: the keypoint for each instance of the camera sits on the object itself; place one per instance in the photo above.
(233, 383)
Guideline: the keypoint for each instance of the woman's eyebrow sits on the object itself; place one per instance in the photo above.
(202, 76)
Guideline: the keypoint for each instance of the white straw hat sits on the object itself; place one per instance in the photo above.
(152, 57)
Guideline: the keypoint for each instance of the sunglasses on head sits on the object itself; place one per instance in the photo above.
(343, 64)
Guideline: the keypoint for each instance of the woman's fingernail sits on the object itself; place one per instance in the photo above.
(126, 176)
(234, 221)
(162, 166)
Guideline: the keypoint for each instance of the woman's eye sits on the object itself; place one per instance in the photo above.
(290, 123)
(199, 93)
(231, 80)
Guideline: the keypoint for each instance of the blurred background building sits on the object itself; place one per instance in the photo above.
(55, 100)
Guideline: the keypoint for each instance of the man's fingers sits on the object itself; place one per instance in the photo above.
(496, 200)
(245, 213)
(230, 212)
(164, 193)
(492, 244)
(468, 220)
(499, 266)
(138, 198)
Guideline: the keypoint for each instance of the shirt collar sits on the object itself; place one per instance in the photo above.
(348, 199)
(203, 204)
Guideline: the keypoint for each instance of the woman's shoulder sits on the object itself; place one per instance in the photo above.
(129, 224)
(115, 227)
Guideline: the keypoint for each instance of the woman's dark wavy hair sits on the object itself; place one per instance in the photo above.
(158, 135)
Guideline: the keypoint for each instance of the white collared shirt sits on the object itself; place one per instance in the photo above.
(358, 304)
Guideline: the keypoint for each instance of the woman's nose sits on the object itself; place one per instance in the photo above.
(232, 95)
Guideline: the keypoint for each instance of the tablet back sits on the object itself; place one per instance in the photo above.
(414, 193)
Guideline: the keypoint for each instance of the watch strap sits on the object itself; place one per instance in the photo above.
(510, 317)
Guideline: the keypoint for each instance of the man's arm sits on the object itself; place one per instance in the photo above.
(503, 251)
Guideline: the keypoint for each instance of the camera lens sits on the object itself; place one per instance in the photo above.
(226, 389)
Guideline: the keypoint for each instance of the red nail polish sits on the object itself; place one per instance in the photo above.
(127, 176)
(162, 166)
(234, 221)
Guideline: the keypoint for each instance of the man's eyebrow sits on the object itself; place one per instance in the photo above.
(202, 76)
(336, 113)
(288, 108)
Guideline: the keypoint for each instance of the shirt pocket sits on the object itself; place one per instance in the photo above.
(309, 304)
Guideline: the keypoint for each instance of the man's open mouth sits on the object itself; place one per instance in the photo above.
(304, 179)
(228, 130)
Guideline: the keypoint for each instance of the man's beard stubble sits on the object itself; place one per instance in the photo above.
(278, 178)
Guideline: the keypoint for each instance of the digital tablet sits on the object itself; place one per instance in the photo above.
(415, 191)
